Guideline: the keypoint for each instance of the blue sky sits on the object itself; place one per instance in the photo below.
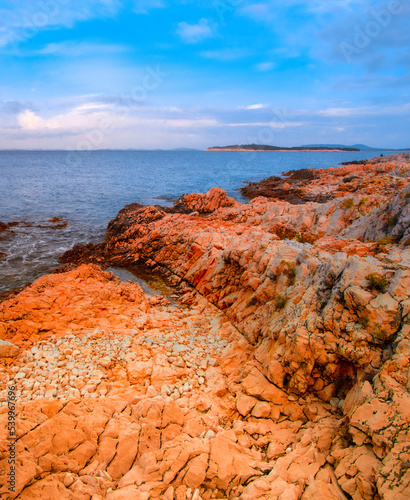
(165, 74)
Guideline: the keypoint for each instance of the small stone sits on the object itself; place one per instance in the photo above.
(8, 350)
(105, 362)
(68, 480)
(209, 434)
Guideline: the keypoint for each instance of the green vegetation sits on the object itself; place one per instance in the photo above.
(363, 320)
(253, 301)
(348, 203)
(290, 271)
(292, 274)
(262, 147)
(379, 334)
(393, 220)
(387, 240)
(306, 238)
(377, 282)
(345, 436)
(280, 302)
(286, 233)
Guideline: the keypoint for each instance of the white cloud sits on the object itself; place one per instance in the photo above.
(144, 6)
(78, 119)
(73, 49)
(194, 33)
(403, 109)
(279, 125)
(27, 19)
(257, 11)
(225, 54)
(254, 106)
(97, 119)
(341, 112)
(266, 66)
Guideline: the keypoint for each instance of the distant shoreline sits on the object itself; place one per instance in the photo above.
(308, 150)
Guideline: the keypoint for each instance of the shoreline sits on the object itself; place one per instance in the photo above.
(284, 150)
(268, 373)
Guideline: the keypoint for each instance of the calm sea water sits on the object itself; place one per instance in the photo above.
(89, 190)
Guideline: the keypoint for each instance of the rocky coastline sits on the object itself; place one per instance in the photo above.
(280, 369)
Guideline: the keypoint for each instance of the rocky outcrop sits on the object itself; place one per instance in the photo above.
(282, 371)
(389, 223)
(136, 398)
(381, 176)
(204, 203)
(4, 230)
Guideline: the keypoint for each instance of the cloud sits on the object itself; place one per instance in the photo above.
(258, 11)
(403, 109)
(144, 6)
(341, 112)
(194, 33)
(225, 54)
(101, 119)
(13, 107)
(73, 49)
(266, 66)
(27, 19)
(80, 118)
(276, 125)
(254, 106)
(374, 36)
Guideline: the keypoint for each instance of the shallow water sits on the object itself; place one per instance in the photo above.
(87, 190)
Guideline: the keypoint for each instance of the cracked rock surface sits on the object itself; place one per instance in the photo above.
(281, 372)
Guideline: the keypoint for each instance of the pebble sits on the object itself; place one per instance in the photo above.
(73, 366)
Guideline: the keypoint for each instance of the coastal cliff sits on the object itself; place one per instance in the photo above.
(280, 372)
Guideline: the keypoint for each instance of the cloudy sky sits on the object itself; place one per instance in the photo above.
(82, 74)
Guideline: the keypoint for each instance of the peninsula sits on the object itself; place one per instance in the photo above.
(261, 147)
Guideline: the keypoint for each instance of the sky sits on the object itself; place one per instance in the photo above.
(167, 74)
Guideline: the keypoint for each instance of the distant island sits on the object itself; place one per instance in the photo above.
(306, 147)
(260, 147)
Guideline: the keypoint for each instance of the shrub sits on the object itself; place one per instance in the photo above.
(379, 334)
(363, 202)
(387, 240)
(306, 238)
(393, 219)
(290, 272)
(280, 302)
(253, 301)
(377, 282)
(346, 437)
(348, 203)
(363, 320)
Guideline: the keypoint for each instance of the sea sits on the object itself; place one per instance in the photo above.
(59, 198)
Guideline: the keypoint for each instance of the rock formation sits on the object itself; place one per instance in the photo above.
(282, 372)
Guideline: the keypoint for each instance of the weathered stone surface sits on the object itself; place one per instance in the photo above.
(280, 371)
(204, 203)
(258, 386)
(8, 350)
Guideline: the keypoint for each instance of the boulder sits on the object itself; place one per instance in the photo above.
(8, 350)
